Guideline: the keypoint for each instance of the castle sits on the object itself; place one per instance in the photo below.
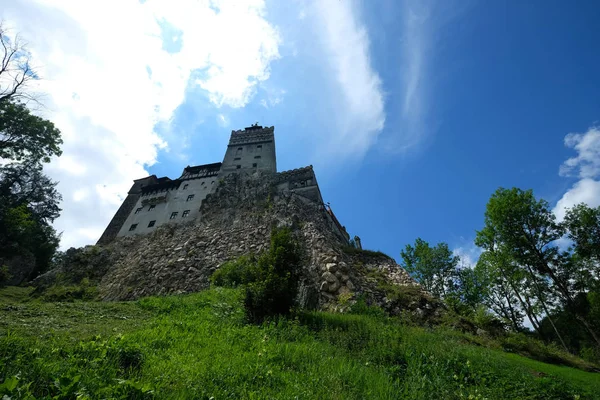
(152, 202)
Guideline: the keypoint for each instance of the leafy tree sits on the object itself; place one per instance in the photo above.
(28, 198)
(525, 230)
(433, 267)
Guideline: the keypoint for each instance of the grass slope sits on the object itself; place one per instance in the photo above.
(199, 346)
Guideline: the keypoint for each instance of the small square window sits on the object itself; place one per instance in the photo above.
(190, 197)
(151, 224)
(259, 147)
(238, 166)
(173, 215)
(254, 165)
(137, 211)
(257, 157)
(185, 213)
(132, 227)
(185, 186)
(237, 159)
(151, 208)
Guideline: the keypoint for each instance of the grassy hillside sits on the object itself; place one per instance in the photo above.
(199, 346)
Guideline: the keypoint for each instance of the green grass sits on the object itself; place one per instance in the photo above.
(200, 346)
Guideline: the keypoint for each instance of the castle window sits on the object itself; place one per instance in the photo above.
(239, 151)
(254, 165)
(237, 159)
(185, 213)
(151, 224)
(238, 166)
(152, 207)
(257, 157)
(190, 197)
(137, 211)
(132, 227)
(185, 186)
(259, 147)
(173, 215)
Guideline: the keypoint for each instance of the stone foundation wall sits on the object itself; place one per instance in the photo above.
(237, 220)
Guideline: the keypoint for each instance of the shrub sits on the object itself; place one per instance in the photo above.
(270, 281)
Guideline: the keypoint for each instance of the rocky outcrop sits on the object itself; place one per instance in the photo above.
(236, 220)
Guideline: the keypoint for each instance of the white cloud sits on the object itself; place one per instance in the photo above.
(361, 115)
(109, 78)
(584, 191)
(587, 162)
(586, 166)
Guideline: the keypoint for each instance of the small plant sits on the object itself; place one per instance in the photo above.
(270, 281)
(352, 250)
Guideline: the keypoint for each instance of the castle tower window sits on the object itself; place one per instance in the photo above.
(152, 207)
(256, 157)
(185, 186)
(254, 165)
(132, 227)
(173, 215)
(239, 151)
(238, 166)
(137, 211)
(190, 197)
(151, 224)
(259, 148)
(185, 213)
(237, 159)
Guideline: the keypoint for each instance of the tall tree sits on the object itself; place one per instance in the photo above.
(526, 229)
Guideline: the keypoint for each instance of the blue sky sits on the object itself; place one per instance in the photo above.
(411, 112)
(502, 83)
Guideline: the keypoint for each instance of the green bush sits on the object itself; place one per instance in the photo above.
(270, 280)
(83, 291)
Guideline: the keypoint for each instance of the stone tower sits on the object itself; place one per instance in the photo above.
(252, 148)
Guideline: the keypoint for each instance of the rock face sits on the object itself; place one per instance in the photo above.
(237, 220)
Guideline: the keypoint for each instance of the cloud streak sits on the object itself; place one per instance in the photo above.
(359, 103)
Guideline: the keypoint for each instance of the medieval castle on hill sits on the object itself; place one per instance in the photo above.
(152, 202)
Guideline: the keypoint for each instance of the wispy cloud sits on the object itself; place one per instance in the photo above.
(360, 115)
(586, 166)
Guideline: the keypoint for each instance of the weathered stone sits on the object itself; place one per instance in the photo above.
(324, 287)
(333, 287)
(331, 267)
(349, 285)
(329, 277)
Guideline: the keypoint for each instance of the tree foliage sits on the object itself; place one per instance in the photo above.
(433, 267)
(523, 260)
